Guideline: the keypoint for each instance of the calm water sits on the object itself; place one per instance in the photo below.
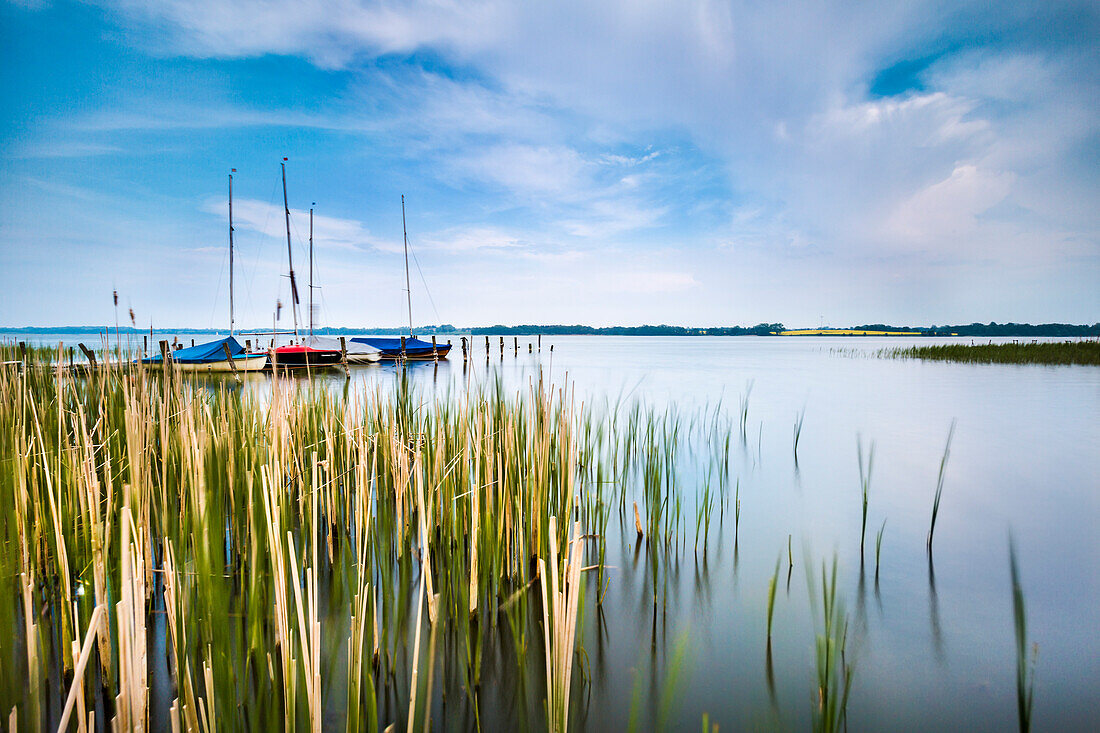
(931, 647)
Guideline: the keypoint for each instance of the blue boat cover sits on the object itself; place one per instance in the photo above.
(206, 353)
(393, 346)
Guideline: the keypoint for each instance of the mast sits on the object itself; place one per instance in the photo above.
(231, 172)
(408, 288)
(311, 270)
(289, 256)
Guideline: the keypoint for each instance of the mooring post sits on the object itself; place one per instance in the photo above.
(435, 352)
(486, 345)
(502, 348)
(89, 354)
(515, 346)
(344, 357)
(403, 355)
(464, 349)
(232, 364)
(540, 343)
(23, 354)
(192, 343)
(530, 347)
(72, 351)
(144, 344)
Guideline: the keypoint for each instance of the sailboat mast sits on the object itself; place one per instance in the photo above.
(311, 271)
(231, 323)
(289, 255)
(408, 287)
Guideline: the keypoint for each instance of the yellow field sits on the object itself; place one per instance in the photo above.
(845, 332)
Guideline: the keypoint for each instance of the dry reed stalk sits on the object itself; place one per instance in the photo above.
(176, 612)
(133, 697)
(416, 654)
(62, 558)
(77, 688)
(31, 632)
(308, 634)
(560, 624)
(98, 524)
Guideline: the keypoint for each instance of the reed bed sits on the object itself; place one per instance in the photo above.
(292, 547)
(1067, 352)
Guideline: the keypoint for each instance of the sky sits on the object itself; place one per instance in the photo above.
(690, 162)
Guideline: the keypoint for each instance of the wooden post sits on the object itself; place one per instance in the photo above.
(435, 351)
(89, 354)
(486, 345)
(403, 355)
(540, 343)
(248, 345)
(463, 349)
(344, 357)
(23, 353)
(232, 364)
(502, 348)
(530, 347)
(144, 344)
(72, 351)
(192, 343)
(515, 346)
(164, 351)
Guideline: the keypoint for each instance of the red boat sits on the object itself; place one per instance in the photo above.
(300, 355)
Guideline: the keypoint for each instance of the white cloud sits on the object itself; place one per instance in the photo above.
(525, 169)
(947, 211)
(473, 239)
(650, 282)
(328, 231)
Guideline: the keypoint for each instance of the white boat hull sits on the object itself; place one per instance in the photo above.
(245, 364)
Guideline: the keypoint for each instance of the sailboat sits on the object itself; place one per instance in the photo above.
(220, 355)
(409, 347)
(306, 352)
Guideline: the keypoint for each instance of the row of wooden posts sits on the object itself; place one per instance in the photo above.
(467, 349)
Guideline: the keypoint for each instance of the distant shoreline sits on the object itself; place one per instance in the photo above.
(1020, 330)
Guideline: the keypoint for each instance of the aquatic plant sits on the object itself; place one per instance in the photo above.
(878, 547)
(798, 431)
(771, 596)
(1025, 676)
(834, 674)
(559, 615)
(939, 485)
(1082, 352)
(864, 486)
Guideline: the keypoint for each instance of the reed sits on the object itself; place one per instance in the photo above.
(1025, 672)
(560, 604)
(1084, 353)
(771, 596)
(878, 547)
(798, 431)
(864, 487)
(834, 674)
(939, 485)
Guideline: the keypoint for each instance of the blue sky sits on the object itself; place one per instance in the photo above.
(698, 163)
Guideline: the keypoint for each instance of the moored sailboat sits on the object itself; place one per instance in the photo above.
(408, 347)
(302, 353)
(220, 355)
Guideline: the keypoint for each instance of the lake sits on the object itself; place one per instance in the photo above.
(931, 643)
